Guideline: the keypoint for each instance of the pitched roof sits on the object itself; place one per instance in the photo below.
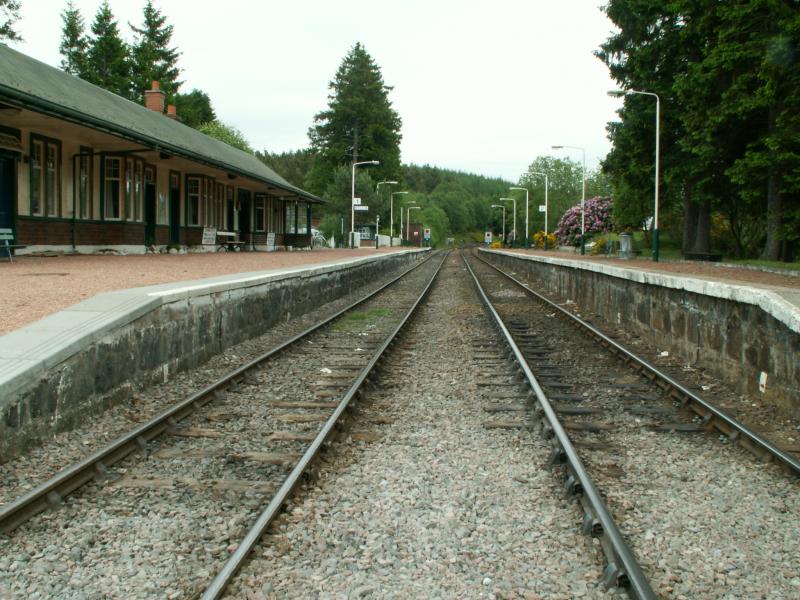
(33, 84)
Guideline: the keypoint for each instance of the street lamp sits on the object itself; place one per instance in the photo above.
(377, 191)
(503, 206)
(408, 218)
(514, 200)
(391, 216)
(583, 195)
(617, 94)
(526, 212)
(353, 198)
(546, 186)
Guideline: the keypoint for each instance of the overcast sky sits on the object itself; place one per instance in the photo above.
(481, 86)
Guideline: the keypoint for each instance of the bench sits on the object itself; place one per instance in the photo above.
(5, 236)
(227, 241)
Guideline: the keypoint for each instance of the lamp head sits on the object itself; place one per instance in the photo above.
(374, 162)
(616, 93)
(557, 147)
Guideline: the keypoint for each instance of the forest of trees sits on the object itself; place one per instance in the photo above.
(728, 79)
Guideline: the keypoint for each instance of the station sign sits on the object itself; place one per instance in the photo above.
(356, 201)
(487, 237)
(542, 208)
(426, 233)
(361, 208)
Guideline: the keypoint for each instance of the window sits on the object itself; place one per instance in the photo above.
(291, 215)
(260, 212)
(112, 197)
(208, 202)
(85, 184)
(219, 220)
(45, 172)
(193, 185)
(37, 152)
(302, 212)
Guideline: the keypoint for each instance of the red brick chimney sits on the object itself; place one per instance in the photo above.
(172, 111)
(154, 98)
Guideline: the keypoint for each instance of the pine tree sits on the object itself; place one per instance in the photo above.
(359, 124)
(74, 44)
(151, 57)
(10, 11)
(108, 64)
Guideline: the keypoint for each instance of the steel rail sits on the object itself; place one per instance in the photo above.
(622, 562)
(95, 466)
(728, 425)
(217, 587)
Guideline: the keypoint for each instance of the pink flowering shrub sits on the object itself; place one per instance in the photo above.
(597, 220)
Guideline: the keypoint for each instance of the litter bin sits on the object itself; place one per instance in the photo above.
(625, 245)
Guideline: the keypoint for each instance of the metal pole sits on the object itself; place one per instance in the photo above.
(655, 216)
(583, 206)
(352, 208)
(527, 210)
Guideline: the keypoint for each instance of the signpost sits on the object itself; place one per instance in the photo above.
(209, 236)
(487, 238)
(361, 208)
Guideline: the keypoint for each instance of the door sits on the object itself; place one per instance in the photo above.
(8, 181)
(244, 216)
(174, 209)
(229, 203)
(150, 214)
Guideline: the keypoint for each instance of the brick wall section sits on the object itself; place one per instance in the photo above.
(162, 235)
(46, 232)
(39, 232)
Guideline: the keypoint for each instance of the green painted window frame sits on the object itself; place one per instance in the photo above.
(45, 186)
(82, 202)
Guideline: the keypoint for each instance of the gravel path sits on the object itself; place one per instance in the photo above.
(437, 505)
(45, 285)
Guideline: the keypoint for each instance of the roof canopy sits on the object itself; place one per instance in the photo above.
(32, 84)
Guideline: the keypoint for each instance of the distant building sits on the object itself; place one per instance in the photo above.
(83, 169)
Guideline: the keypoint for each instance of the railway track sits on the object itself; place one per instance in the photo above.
(610, 414)
(234, 446)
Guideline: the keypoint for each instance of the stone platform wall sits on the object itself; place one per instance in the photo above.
(733, 333)
(159, 332)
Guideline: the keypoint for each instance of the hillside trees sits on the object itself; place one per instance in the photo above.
(359, 123)
(74, 43)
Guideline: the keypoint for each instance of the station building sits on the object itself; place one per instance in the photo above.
(82, 169)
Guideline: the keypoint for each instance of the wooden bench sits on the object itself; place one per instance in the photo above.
(5, 236)
(227, 241)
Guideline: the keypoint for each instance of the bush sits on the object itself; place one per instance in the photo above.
(598, 219)
(538, 240)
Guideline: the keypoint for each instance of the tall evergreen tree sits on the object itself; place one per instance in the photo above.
(9, 9)
(359, 124)
(108, 63)
(74, 44)
(151, 55)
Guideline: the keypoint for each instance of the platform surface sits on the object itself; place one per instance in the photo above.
(40, 286)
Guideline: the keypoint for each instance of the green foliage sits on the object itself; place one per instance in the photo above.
(151, 57)
(359, 123)
(9, 9)
(728, 77)
(74, 43)
(293, 166)
(108, 65)
(194, 108)
(226, 133)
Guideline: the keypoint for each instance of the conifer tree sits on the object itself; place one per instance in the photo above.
(74, 44)
(10, 15)
(359, 124)
(108, 64)
(152, 58)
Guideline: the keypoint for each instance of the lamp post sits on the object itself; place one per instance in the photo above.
(514, 209)
(377, 191)
(526, 212)
(353, 198)
(391, 216)
(546, 209)
(503, 206)
(583, 195)
(618, 93)
(408, 218)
